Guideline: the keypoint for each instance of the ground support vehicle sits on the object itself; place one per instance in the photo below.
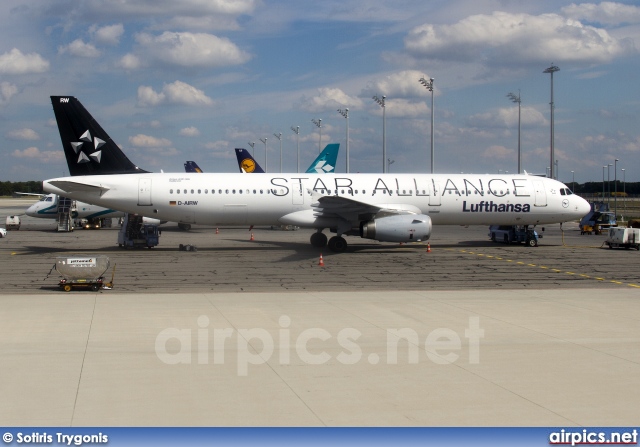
(134, 233)
(82, 272)
(514, 233)
(624, 238)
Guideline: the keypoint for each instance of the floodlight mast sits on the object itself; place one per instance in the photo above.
(381, 103)
(297, 131)
(252, 144)
(279, 137)
(517, 98)
(345, 113)
(551, 70)
(429, 86)
(318, 123)
(266, 165)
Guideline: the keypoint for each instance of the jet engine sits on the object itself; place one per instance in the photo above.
(397, 228)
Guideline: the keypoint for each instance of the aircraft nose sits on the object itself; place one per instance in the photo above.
(31, 211)
(583, 207)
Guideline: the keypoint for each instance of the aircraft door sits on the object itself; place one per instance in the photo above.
(435, 198)
(297, 193)
(144, 192)
(540, 193)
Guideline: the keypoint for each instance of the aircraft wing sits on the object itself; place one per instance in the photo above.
(30, 194)
(69, 186)
(351, 210)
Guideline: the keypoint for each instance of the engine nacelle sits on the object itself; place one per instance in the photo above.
(399, 228)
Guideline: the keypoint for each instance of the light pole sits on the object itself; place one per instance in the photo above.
(252, 144)
(266, 165)
(516, 98)
(624, 191)
(609, 184)
(603, 168)
(297, 131)
(429, 86)
(279, 137)
(318, 123)
(345, 113)
(615, 186)
(381, 103)
(573, 182)
(552, 69)
(556, 171)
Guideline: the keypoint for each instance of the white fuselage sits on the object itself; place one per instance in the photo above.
(47, 208)
(272, 199)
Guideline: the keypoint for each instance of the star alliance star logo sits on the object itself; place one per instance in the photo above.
(97, 144)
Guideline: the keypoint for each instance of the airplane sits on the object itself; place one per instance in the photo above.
(325, 162)
(381, 207)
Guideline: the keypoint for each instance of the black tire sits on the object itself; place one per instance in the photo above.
(95, 287)
(318, 240)
(506, 239)
(337, 244)
(531, 242)
(184, 226)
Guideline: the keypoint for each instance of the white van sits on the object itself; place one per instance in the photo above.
(13, 223)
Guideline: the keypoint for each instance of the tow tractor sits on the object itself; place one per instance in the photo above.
(135, 233)
(514, 233)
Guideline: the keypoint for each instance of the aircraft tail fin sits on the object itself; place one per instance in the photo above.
(326, 161)
(192, 166)
(87, 147)
(247, 163)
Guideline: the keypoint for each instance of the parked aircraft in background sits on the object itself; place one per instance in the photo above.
(324, 163)
(382, 207)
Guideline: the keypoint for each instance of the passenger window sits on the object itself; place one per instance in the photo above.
(192, 191)
(199, 192)
(171, 191)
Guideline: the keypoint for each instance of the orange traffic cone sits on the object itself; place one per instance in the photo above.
(252, 238)
(321, 261)
(428, 247)
(217, 230)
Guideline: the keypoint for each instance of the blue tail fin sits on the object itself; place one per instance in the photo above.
(247, 163)
(87, 147)
(192, 166)
(326, 161)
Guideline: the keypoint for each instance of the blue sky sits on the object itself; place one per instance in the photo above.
(191, 80)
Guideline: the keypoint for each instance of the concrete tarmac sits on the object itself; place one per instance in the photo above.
(245, 332)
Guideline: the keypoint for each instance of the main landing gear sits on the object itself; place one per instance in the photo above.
(336, 244)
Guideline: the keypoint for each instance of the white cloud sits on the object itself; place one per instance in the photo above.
(328, 99)
(148, 141)
(508, 117)
(190, 50)
(163, 8)
(15, 63)
(498, 152)
(7, 91)
(130, 62)
(79, 48)
(404, 84)
(45, 157)
(609, 13)
(23, 134)
(108, 35)
(190, 132)
(503, 38)
(177, 92)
